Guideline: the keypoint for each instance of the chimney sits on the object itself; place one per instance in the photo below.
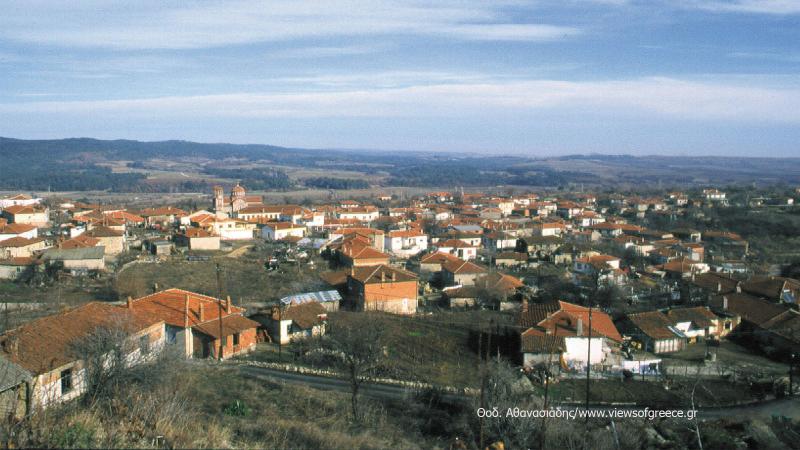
(719, 287)
(524, 305)
(352, 271)
(725, 302)
(739, 288)
(186, 312)
(202, 312)
(393, 276)
(579, 328)
(130, 302)
(383, 276)
(228, 305)
(155, 287)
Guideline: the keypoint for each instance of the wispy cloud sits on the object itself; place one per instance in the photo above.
(768, 56)
(776, 7)
(656, 97)
(150, 24)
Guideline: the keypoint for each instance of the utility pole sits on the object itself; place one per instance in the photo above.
(483, 381)
(589, 360)
(219, 304)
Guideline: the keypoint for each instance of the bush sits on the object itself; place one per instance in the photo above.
(237, 409)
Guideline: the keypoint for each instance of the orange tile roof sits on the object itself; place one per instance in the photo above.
(561, 318)
(44, 344)
(169, 305)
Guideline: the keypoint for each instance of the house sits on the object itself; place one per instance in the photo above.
(76, 260)
(198, 324)
(684, 268)
(22, 230)
(19, 247)
(461, 273)
(163, 216)
(362, 214)
(597, 269)
(197, 239)
(499, 289)
(42, 361)
(383, 288)
(289, 323)
(510, 259)
(17, 268)
(374, 237)
(654, 331)
(460, 296)
(544, 229)
(538, 246)
(30, 214)
(160, 247)
(112, 240)
(499, 240)
(560, 332)
(232, 229)
(405, 243)
(276, 231)
(775, 327)
(776, 289)
(358, 252)
(18, 200)
(432, 262)
(698, 323)
(458, 248)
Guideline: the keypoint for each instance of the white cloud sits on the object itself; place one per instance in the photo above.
(736, 100)
(776, 7)
(184, 25)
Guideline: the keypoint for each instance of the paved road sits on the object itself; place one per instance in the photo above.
(381, 391)
(765, 410)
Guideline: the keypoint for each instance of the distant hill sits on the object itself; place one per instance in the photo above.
(134, 166)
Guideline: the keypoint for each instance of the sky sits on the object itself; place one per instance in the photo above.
(538, 77)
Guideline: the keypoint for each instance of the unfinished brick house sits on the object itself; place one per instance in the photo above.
(38, 362)
(193, 323)
(383, 288)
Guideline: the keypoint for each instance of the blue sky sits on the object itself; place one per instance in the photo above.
(539, 77)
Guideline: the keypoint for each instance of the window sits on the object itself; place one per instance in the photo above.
(236, 339)
(144, 344)
(172, 335)
(66, 381)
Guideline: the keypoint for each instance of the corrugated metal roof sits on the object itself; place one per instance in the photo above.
(320, 296)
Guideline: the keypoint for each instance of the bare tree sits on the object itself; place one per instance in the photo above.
(507, 389)
(359, 352)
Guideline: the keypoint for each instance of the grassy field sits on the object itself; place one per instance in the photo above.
(244, 279)
(435, 350)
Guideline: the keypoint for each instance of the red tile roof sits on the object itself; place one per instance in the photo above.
(169, 305)
(44, 344)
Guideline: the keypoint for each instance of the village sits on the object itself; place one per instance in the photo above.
(575, 285)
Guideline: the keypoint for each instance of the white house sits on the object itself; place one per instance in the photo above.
(21, 230)
(233, 229)
(19, 200)
(405, 243)
(275, 231)
(365, 214)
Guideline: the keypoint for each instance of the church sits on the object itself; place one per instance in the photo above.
(238, 200)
